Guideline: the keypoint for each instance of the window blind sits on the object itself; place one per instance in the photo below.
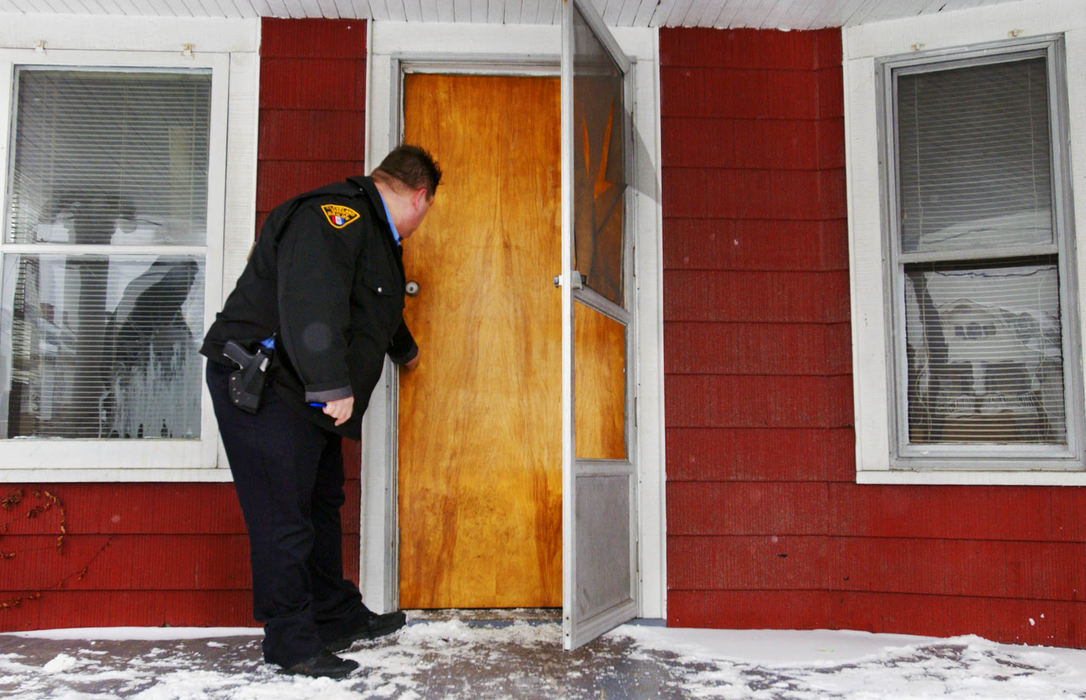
(103, 299)
(974, 157)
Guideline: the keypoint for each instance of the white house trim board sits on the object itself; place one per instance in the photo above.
(862, 46)
(394, 47)
(230, 49)
(720, 14)
(129, 33)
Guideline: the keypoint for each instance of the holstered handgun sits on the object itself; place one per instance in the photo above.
(247, 382)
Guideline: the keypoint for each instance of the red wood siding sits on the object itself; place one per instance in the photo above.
(312, 132)
(177, 554)
(312, 106)
(128, 554)
(766, 525)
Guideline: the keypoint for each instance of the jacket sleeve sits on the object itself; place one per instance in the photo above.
(315, 274)
(403, 348)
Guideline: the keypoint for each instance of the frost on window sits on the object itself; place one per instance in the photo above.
(985, 363)
(104, 347)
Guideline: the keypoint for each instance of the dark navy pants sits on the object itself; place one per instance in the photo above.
(288, 474)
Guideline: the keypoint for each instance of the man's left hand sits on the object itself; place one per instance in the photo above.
(340, 409)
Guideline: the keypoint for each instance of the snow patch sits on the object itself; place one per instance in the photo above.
(61, 663)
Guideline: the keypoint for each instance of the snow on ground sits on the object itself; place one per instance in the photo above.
(453, 658)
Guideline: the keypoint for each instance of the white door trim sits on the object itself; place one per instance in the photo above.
(519, 50)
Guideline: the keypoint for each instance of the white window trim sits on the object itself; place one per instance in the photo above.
(230, 48)
(871, 318)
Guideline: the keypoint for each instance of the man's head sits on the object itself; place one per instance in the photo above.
(411, 166)
(407, 179)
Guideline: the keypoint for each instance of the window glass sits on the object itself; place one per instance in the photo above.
(984, 353)
(599, 168)
(102, 301)
(599, 365)
(974, 157)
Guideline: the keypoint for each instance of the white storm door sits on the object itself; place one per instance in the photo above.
(599, 483)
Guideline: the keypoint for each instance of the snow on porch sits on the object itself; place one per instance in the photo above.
(452, 657)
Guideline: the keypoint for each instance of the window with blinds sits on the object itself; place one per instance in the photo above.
(978, 252)
(103, 256)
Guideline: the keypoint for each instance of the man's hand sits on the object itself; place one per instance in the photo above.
(340, 409)
(412, 363)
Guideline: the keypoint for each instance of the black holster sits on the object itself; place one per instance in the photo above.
(247, 381)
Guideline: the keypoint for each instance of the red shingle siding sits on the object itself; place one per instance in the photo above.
(766, 525)
(312, 132)
(312, 106)
(153, 554)
(177, 552)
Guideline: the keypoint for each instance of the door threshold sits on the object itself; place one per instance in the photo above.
(488, 617)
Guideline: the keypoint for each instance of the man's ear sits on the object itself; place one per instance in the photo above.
(419, 197)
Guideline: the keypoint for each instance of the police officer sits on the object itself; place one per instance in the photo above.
(322, 298)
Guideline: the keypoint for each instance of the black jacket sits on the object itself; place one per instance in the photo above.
(326, 278)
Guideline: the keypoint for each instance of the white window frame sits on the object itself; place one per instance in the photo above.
(944, 36)
(229, 49)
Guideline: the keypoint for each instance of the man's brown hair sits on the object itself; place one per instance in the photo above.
(412, 166)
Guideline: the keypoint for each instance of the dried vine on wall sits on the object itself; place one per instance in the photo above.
(46, 501)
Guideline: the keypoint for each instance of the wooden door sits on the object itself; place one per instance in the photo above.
(480, 464)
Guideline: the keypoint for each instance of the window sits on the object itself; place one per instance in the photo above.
(117, 215)
(103, 302)
(972, 235)
(978, 249)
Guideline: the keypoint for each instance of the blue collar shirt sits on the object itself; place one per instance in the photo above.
(391, 224)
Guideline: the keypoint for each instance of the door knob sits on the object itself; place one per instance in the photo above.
(411, 289)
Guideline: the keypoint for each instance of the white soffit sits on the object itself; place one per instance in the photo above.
(762, 14)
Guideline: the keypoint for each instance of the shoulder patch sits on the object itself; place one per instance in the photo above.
(338, 215)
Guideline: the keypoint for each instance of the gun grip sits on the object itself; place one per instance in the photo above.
(237, 354)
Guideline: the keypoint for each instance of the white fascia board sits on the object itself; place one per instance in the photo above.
(963, 27)
(465, 41)
(102, 33)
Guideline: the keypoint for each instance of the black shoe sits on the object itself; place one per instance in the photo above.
(372, 627)
(325, 664)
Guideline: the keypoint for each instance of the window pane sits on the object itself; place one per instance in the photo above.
(984, 354)
(110, 157)
(100, 346)
(599, 169)
(599, 365)
(974, 157)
